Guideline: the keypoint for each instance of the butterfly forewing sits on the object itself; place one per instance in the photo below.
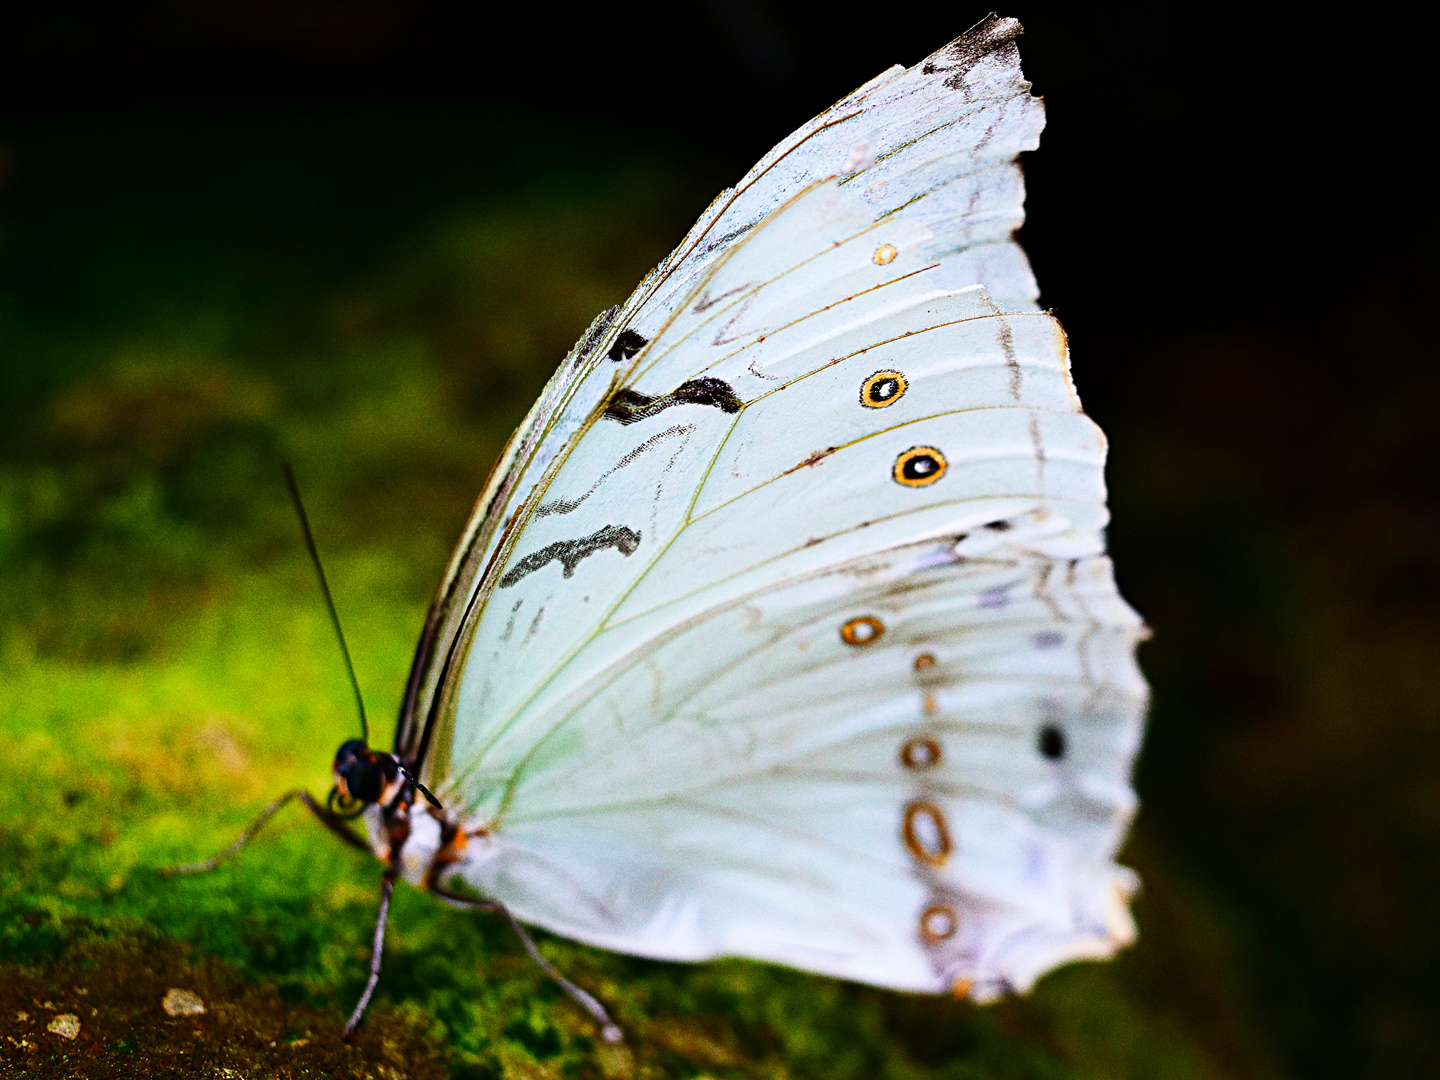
(786, 628)
(908, 139)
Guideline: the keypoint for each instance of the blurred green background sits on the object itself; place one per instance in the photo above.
(353, 241)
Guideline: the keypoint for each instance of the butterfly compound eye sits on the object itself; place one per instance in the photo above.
(919, 466)
(362, 780)
(349, 751)
(357, 773)
(881, 389)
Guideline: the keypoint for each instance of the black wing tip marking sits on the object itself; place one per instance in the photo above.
(628, 406)
(627, 345)
(569, 553)
(986, 36)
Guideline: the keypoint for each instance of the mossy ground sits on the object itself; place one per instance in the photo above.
(171, 330)
(114, 984)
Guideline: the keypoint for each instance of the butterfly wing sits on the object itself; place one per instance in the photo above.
(936, 144)
(792, 635)
(934, 795)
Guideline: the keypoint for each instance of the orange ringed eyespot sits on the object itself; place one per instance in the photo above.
(920, 752)
(926, 835)
(882, 388)
(924, 660)
(862, 630)
(885, 253)
(920, 466)
(938, 923)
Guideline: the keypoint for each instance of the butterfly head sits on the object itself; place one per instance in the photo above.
(362, 777)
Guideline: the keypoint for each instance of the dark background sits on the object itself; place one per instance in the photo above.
(1227, 213)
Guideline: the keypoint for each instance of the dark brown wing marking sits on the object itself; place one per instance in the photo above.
(627, 345)
(629, 405)
(569, 553)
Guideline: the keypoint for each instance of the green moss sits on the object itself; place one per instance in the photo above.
(166, 668)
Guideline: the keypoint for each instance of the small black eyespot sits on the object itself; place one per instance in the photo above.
(1052, 742)
(881, 389)
(999, 526)
(919, 466)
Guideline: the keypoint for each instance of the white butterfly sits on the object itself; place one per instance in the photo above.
(784, 626)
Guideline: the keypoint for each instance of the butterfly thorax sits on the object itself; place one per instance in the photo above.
(416, 841)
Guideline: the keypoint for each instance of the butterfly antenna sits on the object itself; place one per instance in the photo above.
(423, 789)
(329, 600)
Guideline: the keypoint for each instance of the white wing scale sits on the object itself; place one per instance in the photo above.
(663, 709)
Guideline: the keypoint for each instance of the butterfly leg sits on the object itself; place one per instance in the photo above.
(325, 817)
(464, 903)
(609, 1030)
(386, 887)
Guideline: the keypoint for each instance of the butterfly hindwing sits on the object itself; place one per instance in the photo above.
(751, 798)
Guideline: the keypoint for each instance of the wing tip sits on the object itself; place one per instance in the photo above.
(988, 35)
